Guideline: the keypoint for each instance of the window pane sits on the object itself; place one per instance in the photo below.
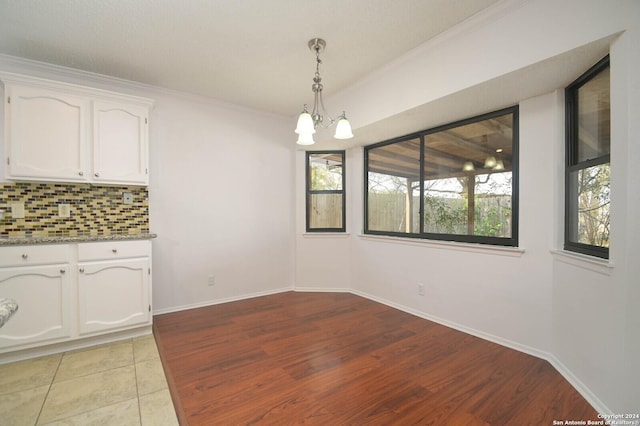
(593, 117)
(589, 205)
(587, 178)
(492, 216)
(325, 211)
(482, 146)
(456, 182)
(394, 187)
(468, 187)
(325, 192)
(445, 206)
(326, 171)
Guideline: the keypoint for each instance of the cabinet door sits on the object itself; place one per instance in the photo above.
(113, 295)
(47, 134)
(120, 152)
(42, 294)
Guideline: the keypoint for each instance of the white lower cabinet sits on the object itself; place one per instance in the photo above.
(43, 297)
(71, 291)
(113, 294)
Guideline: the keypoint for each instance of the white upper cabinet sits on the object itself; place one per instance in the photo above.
(47, 134)
(67, 133)
(120, 143)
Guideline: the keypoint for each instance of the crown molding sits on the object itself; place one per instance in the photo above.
(43, 70)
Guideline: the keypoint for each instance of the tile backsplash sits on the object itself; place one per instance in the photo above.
(94, 210)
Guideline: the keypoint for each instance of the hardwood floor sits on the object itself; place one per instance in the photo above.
(338, 359)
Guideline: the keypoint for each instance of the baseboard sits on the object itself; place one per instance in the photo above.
(73, 345)
(485, 336)
(322, 290)
(586, 393)
(220, 301)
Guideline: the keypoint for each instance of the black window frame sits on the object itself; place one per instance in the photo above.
(511, 241)
(309, 192)
(573, 164)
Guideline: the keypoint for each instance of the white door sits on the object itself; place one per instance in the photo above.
(42, 294)
(120, 153)
(113, 294)
(47, 134)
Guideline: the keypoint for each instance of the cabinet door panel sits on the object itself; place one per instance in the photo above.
(119, 143)
(42, 294)
(113, 294)
(47, 134)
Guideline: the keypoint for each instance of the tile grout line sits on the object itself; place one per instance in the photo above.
(53, 378)
(76, 377)
(135, 373)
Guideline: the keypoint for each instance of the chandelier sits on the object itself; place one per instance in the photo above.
(309, 121)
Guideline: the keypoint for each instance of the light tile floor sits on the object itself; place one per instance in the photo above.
(122, 383)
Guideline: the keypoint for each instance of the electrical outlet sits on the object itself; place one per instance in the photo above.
(64, 210)
(420, 289)
(211, 280)
(17, 210)
(127, 198)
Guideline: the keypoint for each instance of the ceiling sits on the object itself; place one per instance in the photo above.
(248, 52)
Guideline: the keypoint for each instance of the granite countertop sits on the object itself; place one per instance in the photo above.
(61, 239)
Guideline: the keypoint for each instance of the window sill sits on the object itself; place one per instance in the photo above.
(325, 235)
(601, 266)
(448, 245)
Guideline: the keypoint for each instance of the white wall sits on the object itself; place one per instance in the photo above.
(501, 294)
(581, 315)
(596, 314)
(322, 260)
(221, 202)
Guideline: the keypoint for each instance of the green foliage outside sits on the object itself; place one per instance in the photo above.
(593, 195)
(445, 206)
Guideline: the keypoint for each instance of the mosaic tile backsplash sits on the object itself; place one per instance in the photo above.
(95, 210)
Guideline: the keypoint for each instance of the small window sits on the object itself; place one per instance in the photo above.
(456, 182)
(587, 178)
(325, 191)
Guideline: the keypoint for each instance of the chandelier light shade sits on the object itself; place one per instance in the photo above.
(305, 123)
(308, 122)
(305, 139)
(468, 166)
(343, 128)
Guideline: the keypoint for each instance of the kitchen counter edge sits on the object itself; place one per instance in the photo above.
(22, 241)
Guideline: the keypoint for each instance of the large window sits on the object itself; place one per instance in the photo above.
(325, 191)
(456, 182)
(587, 162)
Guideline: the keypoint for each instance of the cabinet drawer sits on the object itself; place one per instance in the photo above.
(113, 250)
(33, 255)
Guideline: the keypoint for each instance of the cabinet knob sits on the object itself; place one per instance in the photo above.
(82, 270)
(114, 251)
(96, 174)
(25, 256)
(81, 173)
(62, 271)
